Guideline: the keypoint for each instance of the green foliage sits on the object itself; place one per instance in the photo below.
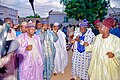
(37, 16)
(86, 9)
(65, 2)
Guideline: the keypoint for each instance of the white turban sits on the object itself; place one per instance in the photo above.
(56, 24)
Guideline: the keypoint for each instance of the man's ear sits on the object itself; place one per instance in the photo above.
(27, 29)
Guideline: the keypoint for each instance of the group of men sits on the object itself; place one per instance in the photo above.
(96, 57)
(42, 52)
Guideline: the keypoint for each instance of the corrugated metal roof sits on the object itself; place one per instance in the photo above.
(57, 13)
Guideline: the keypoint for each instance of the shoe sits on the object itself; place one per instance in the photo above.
(72, 79)
(55, 74)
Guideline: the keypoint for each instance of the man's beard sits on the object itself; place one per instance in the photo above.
(45, 30)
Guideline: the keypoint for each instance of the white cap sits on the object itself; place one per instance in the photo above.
(30, 21)
(24, 23)
(56, 24)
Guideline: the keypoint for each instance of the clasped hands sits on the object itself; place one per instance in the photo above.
(110, 54)
(29, 48)
(78, 39)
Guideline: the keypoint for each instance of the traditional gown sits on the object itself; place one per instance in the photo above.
(102, 67)
(61, 57)
(30, 62)
(115, 31)
(49, 50)
(81, 58)
(11, 73)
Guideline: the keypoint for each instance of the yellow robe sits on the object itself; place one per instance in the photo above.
(102, 67)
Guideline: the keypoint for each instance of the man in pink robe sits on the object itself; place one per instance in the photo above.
(30, 55)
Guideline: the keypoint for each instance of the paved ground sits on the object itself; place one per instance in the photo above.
(67, 74)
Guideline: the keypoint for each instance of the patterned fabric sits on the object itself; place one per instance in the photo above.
(80, 64)
(49, 52)
(80, 47)
(81, 60)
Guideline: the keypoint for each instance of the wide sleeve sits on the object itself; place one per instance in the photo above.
(40, 49)
(23, 45)
(41, 35)
(5, 60)
(89, 38)
(90, 46)
(116, 48)
(14, 33)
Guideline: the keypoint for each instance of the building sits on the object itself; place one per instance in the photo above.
(60, 17)
(8, 12)
(28, 19)
(114, 12)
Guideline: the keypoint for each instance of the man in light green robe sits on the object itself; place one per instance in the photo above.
(105, 54)
(47, 38)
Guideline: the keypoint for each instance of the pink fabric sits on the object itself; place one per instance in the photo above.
(11, 70)
(29, 69)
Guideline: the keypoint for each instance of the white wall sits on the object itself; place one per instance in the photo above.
(56, 18)
(8, 12)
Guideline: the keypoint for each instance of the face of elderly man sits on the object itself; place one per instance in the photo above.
(39, 25)
(23, 28)
(56, 27)
(10, 23)
(97, 25)
(31, 31)
(82, 29)
(102, 29)
(45, 26)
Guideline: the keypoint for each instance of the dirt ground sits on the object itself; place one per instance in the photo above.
(67, 74)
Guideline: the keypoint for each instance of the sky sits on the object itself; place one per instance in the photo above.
(42, 7)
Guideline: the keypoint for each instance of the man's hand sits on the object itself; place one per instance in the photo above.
(10, 31)
(77, 39)
(85, 44)
(110, 54)
(72, 41)
(42, 29)
(3, 70)
(29, 48)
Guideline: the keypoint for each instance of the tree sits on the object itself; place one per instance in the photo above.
(65, 2)
(37, 16)
(86, 9)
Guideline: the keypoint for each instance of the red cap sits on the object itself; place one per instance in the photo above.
(108, 22)
(97, 21)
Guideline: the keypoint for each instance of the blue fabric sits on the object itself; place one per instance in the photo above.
(80, 47)
(115, 31)
(18, 33)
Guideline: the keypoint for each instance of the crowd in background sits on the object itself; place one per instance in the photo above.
(43, 48)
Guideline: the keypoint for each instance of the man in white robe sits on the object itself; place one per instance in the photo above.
(105, 54)
(61, 57)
